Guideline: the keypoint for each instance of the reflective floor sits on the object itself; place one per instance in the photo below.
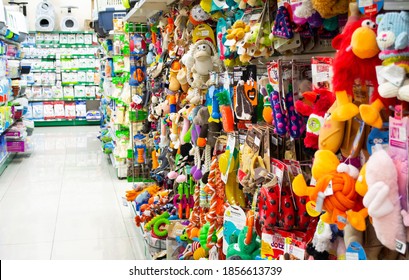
(64, 201)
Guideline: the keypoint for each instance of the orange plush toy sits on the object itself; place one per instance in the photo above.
(334, 190)
(356, 59)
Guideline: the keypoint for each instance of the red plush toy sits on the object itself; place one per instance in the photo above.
(356, 59)
(314, 105)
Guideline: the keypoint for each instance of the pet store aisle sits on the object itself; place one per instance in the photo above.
(64, 201)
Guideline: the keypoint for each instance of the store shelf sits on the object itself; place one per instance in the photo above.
(72, 56)
(7, 129)
(61, 32)
(43, 71)
(79, 70)
(63, 99)
(40, 57)
(145, 9)
(79, 84)
(59, 46)
(64, 122)
(6, 161)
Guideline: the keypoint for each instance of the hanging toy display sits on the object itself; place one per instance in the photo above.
(264, 130)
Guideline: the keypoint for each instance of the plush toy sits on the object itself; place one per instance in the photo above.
(203, 60)
(330, 8)
(331, 133)
(393, 40)
(382, 199)
(304, 13)
(334, 191)
(321, 100)
(243, 250)
(236, 33)
(174, 84)
(357, 46)
(357, 219)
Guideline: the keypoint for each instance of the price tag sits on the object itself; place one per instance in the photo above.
(329, 191)
(351, 256)
(313, 181)
(342, 219)
(257, 141)
(400, 246)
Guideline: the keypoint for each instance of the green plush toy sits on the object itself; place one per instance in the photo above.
(243, 251)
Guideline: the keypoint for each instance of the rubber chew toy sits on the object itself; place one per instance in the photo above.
(141, 154)
(282, 27)
(382, 199)
(295, 122)
(280, 119)
(156, 222)
(226, 110)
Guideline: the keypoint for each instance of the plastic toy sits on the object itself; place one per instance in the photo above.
(280, 118)
(241, 249)
(282, 26)
(157, 222)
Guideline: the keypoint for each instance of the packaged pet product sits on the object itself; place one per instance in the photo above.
(59, 111)
(88, 39)
(63, 38)
(69, 92)
(37, 92)
(80, 38)
(93, 115)
(119, 64)
(37, 78)
(82, 77)
(29, 113)
(58, 91)
(90, 77)
(29, 93)
(398, 150)
(38, 110)
(55, 38)
(79, 91)
(48, 107)
(48, 93)
(322, 73)
(97, 92)
(70, 110)
(81, 109)
(71, 39)
(90, 91)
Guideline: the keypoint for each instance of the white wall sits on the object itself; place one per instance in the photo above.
(82, 13)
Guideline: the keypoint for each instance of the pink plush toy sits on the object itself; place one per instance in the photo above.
(382, 199)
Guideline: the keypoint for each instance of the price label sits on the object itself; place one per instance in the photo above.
(329, 191)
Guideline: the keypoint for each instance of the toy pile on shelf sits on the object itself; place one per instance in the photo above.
(248, 137)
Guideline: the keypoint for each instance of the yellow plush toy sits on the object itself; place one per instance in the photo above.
(237, 31)
(357, 218)
(330, 8)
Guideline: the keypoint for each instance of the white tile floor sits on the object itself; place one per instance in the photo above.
(64, 201)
